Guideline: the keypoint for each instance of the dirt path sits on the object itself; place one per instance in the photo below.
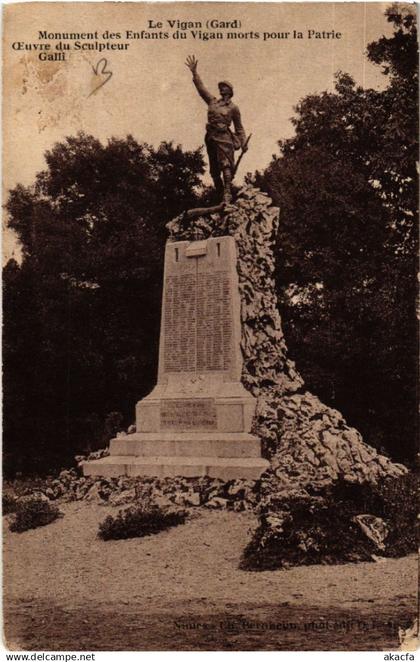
(182, 590)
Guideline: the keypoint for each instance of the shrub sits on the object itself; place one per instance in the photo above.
(397, 503)
(320, 528)
(9, 504)
(138, 522)
(32, 513)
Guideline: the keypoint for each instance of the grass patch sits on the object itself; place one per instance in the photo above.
(137, 522)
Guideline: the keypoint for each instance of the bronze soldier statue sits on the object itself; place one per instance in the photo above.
(220, 141)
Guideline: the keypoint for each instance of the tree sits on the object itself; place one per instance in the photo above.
(346, 184)
(82, 310)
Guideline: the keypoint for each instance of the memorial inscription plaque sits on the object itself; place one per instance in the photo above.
(197, 323)
(180, 318)
(199, 414)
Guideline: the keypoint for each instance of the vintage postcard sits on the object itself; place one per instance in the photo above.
(209, 339)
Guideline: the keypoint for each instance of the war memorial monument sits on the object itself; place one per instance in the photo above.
(229, 402)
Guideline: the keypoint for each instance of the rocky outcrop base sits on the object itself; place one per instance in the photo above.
(212, 493)
(308, 443)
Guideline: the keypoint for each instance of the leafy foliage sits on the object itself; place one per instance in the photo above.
(346, 184)
(321, 528)
(396, 501)
(32, 513)
(82, 310)
(138, 522)
(9, 503)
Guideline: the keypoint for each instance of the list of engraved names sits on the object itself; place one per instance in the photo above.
(197, 323)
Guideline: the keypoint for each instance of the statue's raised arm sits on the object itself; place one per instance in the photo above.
(221, 142)
(192, 63)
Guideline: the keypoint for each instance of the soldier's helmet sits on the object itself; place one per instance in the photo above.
(227, 84)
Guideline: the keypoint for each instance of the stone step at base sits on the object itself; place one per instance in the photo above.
(187, 467)
(198, 444)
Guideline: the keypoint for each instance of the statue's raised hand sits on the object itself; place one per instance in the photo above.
(191, 63)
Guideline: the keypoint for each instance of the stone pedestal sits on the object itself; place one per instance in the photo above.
(197, 419)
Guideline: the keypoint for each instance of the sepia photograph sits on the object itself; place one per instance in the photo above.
(210, 339)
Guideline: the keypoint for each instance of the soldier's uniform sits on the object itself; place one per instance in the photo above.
(220, 140)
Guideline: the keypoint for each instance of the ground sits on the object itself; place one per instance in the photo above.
(65, 589)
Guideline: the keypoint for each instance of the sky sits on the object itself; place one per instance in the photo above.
(150, 93)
